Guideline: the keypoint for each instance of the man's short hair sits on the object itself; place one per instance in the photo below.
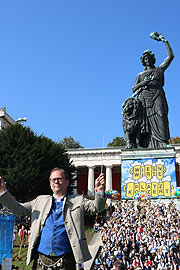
(62, 170)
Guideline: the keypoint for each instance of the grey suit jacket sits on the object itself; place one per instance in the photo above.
(74, 208)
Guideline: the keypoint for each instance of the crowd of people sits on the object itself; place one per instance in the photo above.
(140, 235)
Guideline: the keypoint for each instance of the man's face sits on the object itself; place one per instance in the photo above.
(58, 183)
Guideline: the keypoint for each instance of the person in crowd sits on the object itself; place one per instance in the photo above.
(174, 265)
(96, 226)
(14, 234)
(111, 209)
(22, 235)
(29, 234)
(118, 266)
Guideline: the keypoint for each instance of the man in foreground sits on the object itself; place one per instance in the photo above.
(57, 222)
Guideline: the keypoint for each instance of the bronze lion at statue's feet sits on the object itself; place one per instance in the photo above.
(132, 120)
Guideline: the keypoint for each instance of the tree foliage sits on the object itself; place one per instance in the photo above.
(69, 142)
(27, 159)
(117, 141)
(175, 140)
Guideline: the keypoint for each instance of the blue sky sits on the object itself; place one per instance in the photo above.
(68, 65)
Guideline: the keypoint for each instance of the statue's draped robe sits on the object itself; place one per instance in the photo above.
(156, 108)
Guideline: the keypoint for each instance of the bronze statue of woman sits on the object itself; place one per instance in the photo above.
(148, 88)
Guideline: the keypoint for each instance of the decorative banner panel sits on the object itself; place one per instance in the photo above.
(156, 177)
(6, 239)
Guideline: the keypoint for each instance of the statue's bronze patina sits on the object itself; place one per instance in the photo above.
(148, 90)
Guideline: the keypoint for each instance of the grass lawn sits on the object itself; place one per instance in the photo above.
(21, 263)
(89, 234)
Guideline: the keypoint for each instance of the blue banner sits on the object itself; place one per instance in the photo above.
(6, 236)
(156, 177)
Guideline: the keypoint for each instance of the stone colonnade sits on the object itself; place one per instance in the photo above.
(93, 158)
(91, 179)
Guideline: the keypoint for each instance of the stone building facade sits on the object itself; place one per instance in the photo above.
(5, 119)
(91, 162)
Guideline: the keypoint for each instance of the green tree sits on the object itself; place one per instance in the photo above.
(117, 141)
(175, 140)
(69, 142)
(27, 159)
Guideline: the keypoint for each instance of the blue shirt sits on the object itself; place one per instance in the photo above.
(54, 237)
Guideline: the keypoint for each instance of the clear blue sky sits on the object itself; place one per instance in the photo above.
(68, 65)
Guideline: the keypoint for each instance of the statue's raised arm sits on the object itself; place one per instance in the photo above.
(170, 54)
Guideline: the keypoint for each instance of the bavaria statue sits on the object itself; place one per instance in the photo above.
(145, 113)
